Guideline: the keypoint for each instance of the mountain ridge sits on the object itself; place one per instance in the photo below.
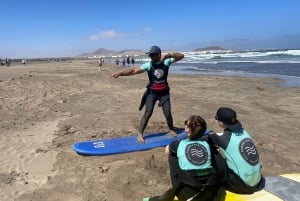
(127, 52)
(107, 52)
(209, 48)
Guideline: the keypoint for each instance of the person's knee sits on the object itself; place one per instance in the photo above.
(167, 111)
(148, 114)
(168, 115)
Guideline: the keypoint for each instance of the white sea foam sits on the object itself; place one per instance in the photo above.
(272, 56)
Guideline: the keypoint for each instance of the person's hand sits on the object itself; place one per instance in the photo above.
(221, 153)
(167, 149)
(115, 75)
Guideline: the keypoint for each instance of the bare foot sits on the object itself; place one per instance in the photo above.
(172, 133)
(141, 138)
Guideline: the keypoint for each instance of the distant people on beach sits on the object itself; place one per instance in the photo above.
(132, 61)
(117, 62)
(24, 62)
(7, 62)
(123, 62)
(100, 64)
(128, 60)
(158, 87)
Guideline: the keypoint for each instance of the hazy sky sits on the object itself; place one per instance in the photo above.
(50, 28)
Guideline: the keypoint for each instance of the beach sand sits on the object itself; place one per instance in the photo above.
(45, 107)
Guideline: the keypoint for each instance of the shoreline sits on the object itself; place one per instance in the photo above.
(182, 68)
(287, 80)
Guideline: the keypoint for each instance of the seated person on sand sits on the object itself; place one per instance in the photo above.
(238, 165)
(192, 174)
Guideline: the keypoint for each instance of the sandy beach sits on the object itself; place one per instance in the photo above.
(47, 106)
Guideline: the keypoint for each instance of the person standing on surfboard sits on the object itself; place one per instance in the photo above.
(238, 163)
(193, 176)
(158, 87)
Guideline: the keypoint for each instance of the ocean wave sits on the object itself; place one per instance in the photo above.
(244, 61)
(247, 53)
(272, 56)
(277, 56)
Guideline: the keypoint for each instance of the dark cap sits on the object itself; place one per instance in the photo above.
(154, 50)
(229, 118)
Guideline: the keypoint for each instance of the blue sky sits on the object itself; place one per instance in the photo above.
(51, 28)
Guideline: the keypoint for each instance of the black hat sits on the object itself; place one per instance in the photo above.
(229, 118)
(154, 50)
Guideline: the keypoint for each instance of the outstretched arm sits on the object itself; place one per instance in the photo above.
(128, 72)
(176, 55)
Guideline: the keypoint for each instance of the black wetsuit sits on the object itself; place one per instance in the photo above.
(197, 185)
(227, 177)
(157, 90)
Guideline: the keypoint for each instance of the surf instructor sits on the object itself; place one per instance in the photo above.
(158, 87)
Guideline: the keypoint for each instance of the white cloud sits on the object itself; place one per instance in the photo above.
(106, 35)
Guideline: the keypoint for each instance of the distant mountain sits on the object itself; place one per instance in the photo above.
(210, 48)
(103, 51)
(106, 52)
(100, 51)
(131, 52)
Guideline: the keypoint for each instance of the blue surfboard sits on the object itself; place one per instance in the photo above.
(126, 144)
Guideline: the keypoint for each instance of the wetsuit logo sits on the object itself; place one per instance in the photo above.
(196, 154)
(249, 151)
(158, 73)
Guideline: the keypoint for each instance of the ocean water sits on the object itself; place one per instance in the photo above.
(283, 64)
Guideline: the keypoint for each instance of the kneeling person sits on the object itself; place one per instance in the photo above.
(240, 170)
(192, 175)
